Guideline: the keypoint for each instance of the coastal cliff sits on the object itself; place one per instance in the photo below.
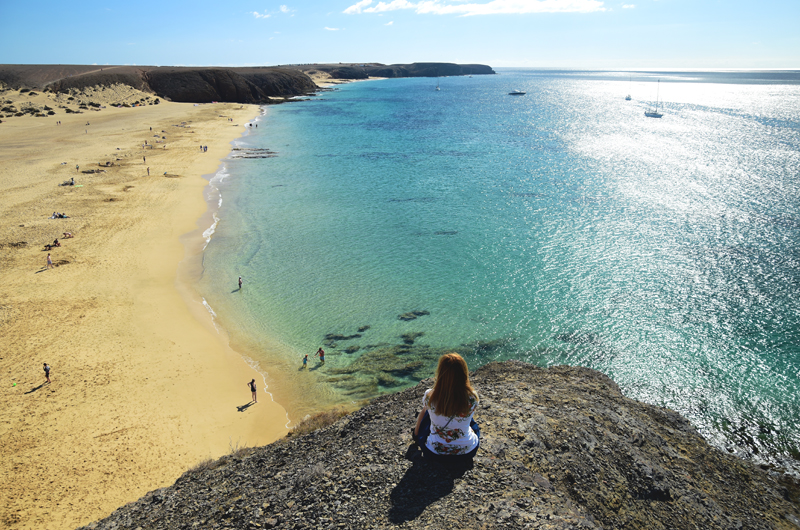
(206, 84)
(561, 448)
(367, 70)
(180, 84)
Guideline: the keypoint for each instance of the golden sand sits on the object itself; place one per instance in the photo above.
(141, 389)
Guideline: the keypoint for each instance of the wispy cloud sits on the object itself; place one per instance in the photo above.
(492, 7)
(331, 29)
(628, 6)
(282, 9)
(357, 8)
(389, 23)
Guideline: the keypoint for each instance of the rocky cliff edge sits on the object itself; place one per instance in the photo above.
(562, 448)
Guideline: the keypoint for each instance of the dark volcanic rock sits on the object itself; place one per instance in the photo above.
(562, 448)
(364, 71)
(428, 70)
(202, 85)
(206, 84)
(251, 85)
(195, 85)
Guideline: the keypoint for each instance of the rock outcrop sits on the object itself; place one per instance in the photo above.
(367, 70)
(206, 84)
(561, 448)
(191, 85)
(429, 70)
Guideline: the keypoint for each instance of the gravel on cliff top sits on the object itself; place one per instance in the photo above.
(562, 448)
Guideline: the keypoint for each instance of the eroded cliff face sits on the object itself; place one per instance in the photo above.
(200, 85)
(561, 448)
(266, 84)
(364, 71)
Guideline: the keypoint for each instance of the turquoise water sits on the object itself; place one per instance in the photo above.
(559, 227)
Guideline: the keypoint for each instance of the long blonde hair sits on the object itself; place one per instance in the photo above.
(452, 390)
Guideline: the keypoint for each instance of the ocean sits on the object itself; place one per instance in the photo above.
(389, 222)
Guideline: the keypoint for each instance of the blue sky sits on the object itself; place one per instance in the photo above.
(593, 34)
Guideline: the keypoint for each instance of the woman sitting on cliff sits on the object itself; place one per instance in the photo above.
(445, 429)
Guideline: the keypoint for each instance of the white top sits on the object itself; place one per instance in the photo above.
(453, 435)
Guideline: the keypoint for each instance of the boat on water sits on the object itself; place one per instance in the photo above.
(653, 113)
(628, 97)
(517, 93)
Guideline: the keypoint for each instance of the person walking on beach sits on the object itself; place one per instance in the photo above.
(49, 262)
(144, 159)
(321, 354)
(240, 283)
(148, 171)
(47, 372)
(252, 385)
(305, 361)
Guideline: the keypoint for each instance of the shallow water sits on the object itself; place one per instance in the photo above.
(559, 227)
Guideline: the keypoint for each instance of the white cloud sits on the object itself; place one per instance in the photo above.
(282, 9)
(331, 29)
(356, 8)
(628, 6)
(389, 23)
(492, 7)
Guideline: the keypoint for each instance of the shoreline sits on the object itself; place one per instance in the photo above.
(191, 268)
(141, 389)
(269, 360)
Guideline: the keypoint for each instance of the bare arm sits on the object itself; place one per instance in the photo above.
(419, 420)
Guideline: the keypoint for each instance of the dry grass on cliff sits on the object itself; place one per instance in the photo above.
(318, 421)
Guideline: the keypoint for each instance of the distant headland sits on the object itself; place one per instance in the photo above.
(267, 84)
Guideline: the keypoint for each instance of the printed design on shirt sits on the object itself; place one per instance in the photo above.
(448, 435)
(444, 449)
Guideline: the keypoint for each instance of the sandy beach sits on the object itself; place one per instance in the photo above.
(143, 388)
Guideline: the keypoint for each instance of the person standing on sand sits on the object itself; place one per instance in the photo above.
(321, 354)
(144, 159)
(148, 171)
(305, 361)
(49, 262)
(252, 385)
(240, 283)
(47, 372)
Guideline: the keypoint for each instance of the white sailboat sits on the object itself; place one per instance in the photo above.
(653, 113)
(437, 84)
(628, 97)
